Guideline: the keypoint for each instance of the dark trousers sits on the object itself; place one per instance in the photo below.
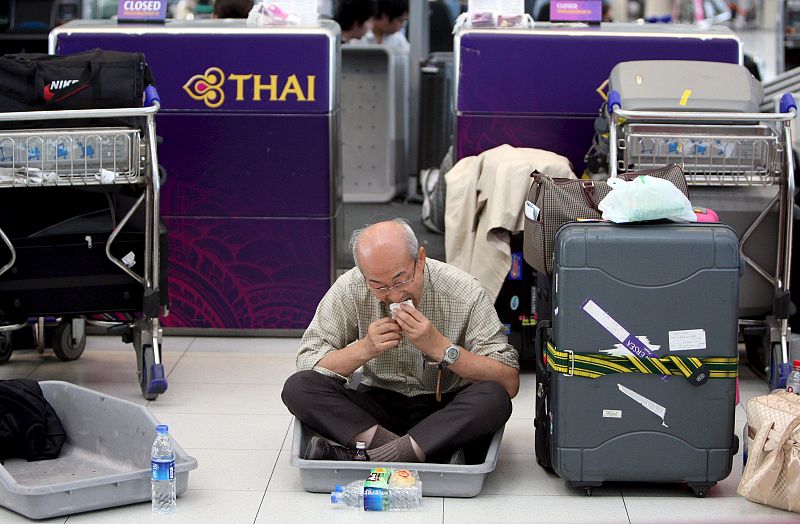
(338, 413)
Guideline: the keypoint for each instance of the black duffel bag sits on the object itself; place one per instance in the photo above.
(93, 79)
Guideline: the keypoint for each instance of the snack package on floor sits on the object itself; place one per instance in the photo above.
(385, 489)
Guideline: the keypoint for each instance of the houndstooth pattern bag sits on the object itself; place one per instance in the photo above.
(772, 473)
(562, 200)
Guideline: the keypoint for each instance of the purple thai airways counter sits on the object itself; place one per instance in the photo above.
(538, 87)
(250, 126)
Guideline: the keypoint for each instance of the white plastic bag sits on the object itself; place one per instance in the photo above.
(645, 198)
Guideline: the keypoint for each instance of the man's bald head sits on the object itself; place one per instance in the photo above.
(391, 240)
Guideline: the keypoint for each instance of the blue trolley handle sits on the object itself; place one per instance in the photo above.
(614, 100)
(151, 96)
(787, 103)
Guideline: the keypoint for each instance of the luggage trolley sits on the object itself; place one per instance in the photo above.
(723, 149)
(88, 266)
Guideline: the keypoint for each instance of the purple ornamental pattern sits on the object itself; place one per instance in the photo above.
(247, 274)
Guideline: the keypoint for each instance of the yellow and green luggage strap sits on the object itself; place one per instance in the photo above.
(696, 370)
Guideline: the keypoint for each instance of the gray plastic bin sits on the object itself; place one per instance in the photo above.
(438, 480)
(104, 463)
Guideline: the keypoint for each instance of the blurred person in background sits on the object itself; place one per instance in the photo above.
(354, 17)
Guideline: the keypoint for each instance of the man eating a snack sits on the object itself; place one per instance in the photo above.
(438, 372)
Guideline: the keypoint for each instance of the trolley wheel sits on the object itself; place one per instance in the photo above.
(5, 346)
(778, 369)
(64, 346)
(588, 491)
(152, 380)
(146, 359)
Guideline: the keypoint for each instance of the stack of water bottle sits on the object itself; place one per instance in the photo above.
(385, 489)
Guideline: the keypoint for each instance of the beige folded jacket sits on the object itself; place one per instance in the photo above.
(485, 204)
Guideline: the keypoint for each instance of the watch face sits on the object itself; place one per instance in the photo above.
(452, 353)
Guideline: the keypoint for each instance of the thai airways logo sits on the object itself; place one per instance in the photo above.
(58, 90)
(208, 87)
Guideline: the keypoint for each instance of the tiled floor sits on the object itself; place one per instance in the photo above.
(224, 408)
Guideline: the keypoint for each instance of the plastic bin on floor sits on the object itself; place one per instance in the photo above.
(104, 463)
(438, 480)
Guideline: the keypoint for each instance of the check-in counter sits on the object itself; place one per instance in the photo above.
(250, 123)
(538, 87)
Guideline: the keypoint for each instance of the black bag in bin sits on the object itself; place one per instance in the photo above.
(95, 79)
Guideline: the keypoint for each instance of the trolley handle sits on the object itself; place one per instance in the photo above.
(151, 96)
(614, 100)
(787, 103)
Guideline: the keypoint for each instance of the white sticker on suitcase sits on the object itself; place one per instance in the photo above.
(686, 339)
(612, 413)
(655, 408)
(621, 351)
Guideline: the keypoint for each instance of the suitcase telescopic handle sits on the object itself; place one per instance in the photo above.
(151, 96)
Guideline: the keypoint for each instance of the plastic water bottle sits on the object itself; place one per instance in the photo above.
(361, 451)
(793, 380)
(162, 463)
(391, 499)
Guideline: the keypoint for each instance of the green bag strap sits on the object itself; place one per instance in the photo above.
(597, 365)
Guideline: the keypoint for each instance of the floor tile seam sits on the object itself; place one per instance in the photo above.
(271, 474)
(180, 357)
(624, 505)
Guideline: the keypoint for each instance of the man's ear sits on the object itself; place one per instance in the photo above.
(421, 255)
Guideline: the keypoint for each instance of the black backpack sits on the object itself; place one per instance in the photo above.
(29, 426)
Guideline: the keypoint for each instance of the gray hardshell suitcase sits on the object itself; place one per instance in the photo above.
(686, 85)
(675, 287)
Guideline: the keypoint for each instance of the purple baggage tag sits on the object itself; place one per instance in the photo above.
(628, 340)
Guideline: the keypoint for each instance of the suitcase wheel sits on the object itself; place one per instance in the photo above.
(700, 490)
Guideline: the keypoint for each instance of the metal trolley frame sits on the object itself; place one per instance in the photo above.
(96, 156)
(723, 149)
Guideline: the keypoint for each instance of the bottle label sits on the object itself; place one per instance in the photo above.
(373, 499)
(162, 470)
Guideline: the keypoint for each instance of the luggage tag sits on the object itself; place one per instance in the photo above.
(531, 211)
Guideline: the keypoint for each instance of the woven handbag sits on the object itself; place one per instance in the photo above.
(562, 200)
(772, 473)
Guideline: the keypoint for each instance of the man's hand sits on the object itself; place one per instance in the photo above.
(382, 334)
(421, 332)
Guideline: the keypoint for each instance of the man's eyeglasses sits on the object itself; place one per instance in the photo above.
(398, 286)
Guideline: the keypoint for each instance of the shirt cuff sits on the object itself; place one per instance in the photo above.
(328, 373)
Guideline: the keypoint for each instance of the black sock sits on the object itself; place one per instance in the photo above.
(398, 450)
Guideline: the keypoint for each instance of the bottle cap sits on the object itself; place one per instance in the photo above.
(796, 364)
(361, 445)
(162, 429)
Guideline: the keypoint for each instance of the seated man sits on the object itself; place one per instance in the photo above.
(436, 375)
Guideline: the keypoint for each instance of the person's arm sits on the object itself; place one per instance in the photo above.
(382, 334)
(331, 346)
(489, 357)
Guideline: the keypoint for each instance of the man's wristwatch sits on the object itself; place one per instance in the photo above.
(451, 354)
